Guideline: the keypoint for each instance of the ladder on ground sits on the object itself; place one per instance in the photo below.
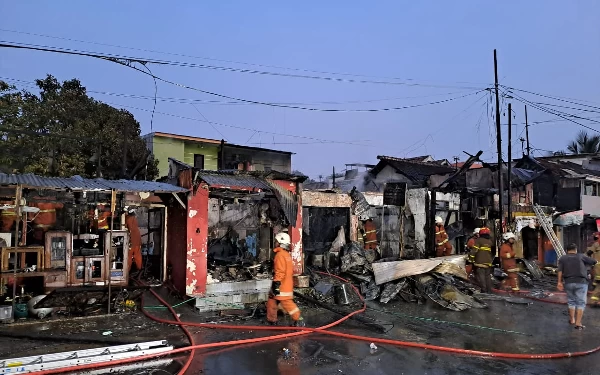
(546, 223)
(25, 365)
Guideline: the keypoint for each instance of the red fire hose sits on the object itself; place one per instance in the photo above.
(301, 331)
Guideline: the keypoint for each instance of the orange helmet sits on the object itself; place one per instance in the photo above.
(484, 230)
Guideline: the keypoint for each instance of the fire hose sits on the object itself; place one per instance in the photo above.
(298, 332)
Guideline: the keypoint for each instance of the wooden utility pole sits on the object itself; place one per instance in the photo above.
(527, 132)
(499, 144)
(509, 164)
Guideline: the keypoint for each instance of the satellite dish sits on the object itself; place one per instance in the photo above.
(144, 195)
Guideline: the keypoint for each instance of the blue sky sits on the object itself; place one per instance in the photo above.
(549, 47)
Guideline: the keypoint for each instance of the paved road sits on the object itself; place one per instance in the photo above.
(535, 328)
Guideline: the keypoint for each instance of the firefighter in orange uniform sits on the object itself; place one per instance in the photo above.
(9, 217)
(44, 219)
(471, 249)
(442, 244)
(483, 260)
(594, 252)
(135, 239)
(509, 263)
(282, 290)
(370, 235)
(99, 218)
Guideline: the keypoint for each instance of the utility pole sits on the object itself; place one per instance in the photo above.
(509, 220)
(527, 132)
(455, 161)
(333, 179)
(499, 144)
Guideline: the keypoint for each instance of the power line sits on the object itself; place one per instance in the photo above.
(231, 102)
(555, 113)
(323, 141)
(145, 60)
(211, 124)
(553, 97)
(218, 60)
(128, 62)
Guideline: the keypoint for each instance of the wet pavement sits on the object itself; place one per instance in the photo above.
(503, 327)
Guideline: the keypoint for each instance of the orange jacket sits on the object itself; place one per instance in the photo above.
(45, 219)
(9, 216)
(441, 238)
(507, 254)
(135, 237)
(284, 271)
(370, 235)
(102, 222)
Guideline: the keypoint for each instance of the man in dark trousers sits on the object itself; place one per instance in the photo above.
(572, 278)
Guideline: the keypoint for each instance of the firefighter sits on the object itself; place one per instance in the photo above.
(470, 246)
(44, 219)
(483, 260)
(370, 235)
(470, 249)
(442, 244)
(9, 217)
(595, 253)
(282, 289)
(99, 218)
(135, 239)
(509, 263)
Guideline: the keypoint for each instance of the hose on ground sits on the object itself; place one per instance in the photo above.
(302, 331)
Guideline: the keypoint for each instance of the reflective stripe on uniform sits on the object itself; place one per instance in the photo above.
(286, 294)
(484, 265)
(485, 248)
(42, 226)
(371, 241)
(371, 231)
(443, 242)
(44, 211)
(440, 232)
(296, 310)
(513, 270)
(8, 213)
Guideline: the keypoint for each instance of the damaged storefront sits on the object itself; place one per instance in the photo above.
(72, 238)
(228, 225)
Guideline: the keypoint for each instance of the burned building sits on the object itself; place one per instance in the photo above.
(224, 232)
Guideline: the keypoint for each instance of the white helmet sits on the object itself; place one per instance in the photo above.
(283, 239)
(507, 236)
(476, 230)
(438, 220)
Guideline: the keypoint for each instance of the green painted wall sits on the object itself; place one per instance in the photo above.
(165, 148)
(210, 152)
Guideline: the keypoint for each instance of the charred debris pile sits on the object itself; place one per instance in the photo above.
(442, 280)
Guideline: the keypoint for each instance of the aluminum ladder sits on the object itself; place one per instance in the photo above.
(547, 225)
(25, 365)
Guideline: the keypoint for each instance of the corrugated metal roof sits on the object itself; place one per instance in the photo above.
(80, 183)
(230, 179)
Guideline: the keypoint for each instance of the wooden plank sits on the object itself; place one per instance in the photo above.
(390, 271)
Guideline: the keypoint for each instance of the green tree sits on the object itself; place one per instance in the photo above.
(584, 144)
(63, 132)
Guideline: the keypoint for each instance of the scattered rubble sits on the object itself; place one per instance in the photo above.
(442, 280)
